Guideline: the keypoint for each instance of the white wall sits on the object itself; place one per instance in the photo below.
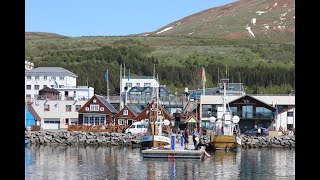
(68, 80)
(81, 92)
(282, 120)
(153, 82)
(57, 110)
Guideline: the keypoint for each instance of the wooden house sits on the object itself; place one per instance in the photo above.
(97, 111)
(125, 117)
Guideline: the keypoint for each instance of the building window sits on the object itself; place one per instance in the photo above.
(94, 107)
(91, 120)
(86, 120)
(102, 120)
(44, 77)
(125, 112)
(28, 95)
(78, 107)
(138, 84)
(121, 121)
(61, 78)
(129, 85)
(53, 78)
(46, 107)
(68, 108)
(28, 77)
(96, 120)
(290, 114)
(147, 84)
(36, 77)
(67, 120)
(28, 87)
(61, 86)
(45, 86)
(36, 87)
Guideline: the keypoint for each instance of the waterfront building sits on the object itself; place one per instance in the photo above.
(32, 117)
(253, 110)
(57, 114)
(125, 117)
(97, 111)
(58, 78)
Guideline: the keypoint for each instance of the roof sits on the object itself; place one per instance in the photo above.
(106, 103)
(135, 108)
(47, 89)
(49, 71)
(270, 100)
(33, 112)
(133, 112)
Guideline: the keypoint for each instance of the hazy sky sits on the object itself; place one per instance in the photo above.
(108, 17)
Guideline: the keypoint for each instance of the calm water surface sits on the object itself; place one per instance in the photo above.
(99, 162)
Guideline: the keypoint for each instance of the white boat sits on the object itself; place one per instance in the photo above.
(226, 131)
(154, 137)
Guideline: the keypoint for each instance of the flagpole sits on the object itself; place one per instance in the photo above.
(120, 87)
(107, 84)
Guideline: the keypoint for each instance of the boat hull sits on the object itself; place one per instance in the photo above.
(223, 142)
(148, 142)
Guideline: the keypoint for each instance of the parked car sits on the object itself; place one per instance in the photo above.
(254, 132)
(136, 128)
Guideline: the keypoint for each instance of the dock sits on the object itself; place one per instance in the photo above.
(163, 153)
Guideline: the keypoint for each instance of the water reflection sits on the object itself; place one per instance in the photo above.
(99, 162)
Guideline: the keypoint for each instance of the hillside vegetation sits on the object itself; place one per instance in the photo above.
(265, 64)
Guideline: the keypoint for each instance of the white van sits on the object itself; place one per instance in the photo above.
(136, 128)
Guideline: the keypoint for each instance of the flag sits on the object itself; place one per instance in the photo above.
(55, 84)
(106, 76)
(129, 75)
(203, 75)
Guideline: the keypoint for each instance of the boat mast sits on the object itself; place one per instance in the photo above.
(157, 93)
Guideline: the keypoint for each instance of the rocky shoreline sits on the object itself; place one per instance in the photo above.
(116, 139)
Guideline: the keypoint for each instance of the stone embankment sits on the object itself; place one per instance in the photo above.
(260, 141)
(82, 138)
(115, 139)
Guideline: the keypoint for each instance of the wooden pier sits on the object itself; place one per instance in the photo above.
(186, 154)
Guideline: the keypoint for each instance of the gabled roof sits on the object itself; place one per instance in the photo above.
(191, 119)
(132, 111)
(33, 112)
(135, 108)
(49, 71)
(252, 98)
(106, 103)
(47, 89)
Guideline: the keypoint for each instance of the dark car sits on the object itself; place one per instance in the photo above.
(254, 132)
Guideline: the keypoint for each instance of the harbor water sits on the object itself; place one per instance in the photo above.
(118, 162)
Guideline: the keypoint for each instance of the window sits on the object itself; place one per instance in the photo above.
(28, 87)
(36, 77)
(51, 86)
(28, 77)
(147, 84)
(44, 77)
(102, 118)
(53, 78)
(290, 114)
(86, 120)
(78, 107)
(67, 120)
(46, 107)
(125, 112)
(61, 86)
(138, 84)
(96, 120)
(121, 121)
(101, 108)
(36, 87)
(94, 107)
(129, 85)
(28, 95)
(44, 86)
(61, 78)
(91, 120)
(68, 108)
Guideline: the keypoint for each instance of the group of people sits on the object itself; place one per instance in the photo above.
(197, 139)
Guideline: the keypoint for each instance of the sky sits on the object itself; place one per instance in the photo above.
(76, 18)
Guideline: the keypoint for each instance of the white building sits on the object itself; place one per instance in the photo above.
(286, 120)
(138, 81)
(28, 65)
(55, 77)
(57, 114)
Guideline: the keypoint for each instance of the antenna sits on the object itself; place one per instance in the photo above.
(154, 70)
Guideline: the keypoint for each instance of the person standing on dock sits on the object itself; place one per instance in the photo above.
(186, 138)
